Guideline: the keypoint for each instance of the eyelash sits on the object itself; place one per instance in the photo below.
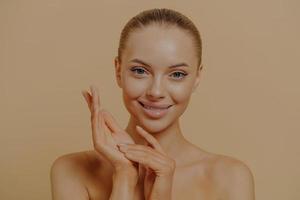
(134, 69)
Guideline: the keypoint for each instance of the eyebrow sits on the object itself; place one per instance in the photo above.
(144, 63)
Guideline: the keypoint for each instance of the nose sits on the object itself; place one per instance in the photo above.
(155, 90)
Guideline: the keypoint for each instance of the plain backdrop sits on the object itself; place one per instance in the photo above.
(246, 106)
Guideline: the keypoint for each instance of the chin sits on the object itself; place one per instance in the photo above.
(155, 128)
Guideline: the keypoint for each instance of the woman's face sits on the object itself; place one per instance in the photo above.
(155, 93)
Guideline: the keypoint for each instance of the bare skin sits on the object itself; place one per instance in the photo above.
(205, 178)
(110, 172)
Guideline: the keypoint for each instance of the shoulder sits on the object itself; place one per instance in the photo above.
(77, 163)
(68, 173)
(69, 163)
(234, 177)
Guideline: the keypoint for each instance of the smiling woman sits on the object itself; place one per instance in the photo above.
(158, 67)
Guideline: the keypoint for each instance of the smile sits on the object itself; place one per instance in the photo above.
(154, 112)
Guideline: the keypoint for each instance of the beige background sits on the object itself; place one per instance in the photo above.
(247, 105)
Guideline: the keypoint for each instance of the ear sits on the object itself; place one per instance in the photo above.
(197, 81)
(118, 71)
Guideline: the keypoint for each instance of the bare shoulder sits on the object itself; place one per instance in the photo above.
(224, 164)
(226, 177)
(65, 175)
(72, 163)
(70, 174)
(234, 177)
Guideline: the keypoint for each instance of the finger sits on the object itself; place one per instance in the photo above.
(97, 121)
(160, 165)
(97, 95)
(111, 121)
(103, 128)
(93, 92)
(146, 159)
(150, 139)
(149, 157)
(88, 98)
(141, 148)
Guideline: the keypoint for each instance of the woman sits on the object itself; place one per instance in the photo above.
(158, 67)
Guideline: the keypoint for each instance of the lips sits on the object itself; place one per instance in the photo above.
(154, 112)
(154, 106)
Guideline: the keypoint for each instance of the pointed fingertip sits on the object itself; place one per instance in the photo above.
(140, 129)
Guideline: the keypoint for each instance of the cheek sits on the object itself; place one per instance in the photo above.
(133, 88)
(181, 96)
(181, 92)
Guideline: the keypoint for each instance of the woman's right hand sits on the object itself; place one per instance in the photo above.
(103, 126)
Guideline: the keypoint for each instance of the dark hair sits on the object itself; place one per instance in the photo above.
(161, 16)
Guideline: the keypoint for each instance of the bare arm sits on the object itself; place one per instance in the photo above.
(124, 183)
(234, 178)
(65, 184)
(241, 183)
(106, 135)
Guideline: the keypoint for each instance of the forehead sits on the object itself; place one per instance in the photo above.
(161, 46)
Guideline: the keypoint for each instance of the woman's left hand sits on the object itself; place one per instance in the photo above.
(159, 167)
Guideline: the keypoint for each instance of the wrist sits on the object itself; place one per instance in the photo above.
(126, 173)
(125, 179)
(131, 170)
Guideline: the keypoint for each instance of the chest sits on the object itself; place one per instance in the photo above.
(186, 185)
(194, 185)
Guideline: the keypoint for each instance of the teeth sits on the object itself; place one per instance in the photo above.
(152, 108)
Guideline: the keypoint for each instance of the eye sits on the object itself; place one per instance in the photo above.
(180, 73)
(137, 70)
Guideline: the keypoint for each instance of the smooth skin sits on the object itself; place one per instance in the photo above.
(157, 162)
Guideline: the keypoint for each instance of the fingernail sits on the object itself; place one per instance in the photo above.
(122, 145)
(140, 130)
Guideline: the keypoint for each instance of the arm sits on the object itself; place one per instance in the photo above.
(241, 183)
(106, 134)
(159, 167)
(124, 183)
(65, 184)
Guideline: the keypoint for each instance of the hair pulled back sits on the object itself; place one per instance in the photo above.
(161, 16)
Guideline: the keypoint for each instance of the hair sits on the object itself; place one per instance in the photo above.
(161, 16)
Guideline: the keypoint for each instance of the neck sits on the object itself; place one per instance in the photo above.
(171, 139)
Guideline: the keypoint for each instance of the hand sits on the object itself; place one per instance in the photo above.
(159, 167)
(106, 132)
